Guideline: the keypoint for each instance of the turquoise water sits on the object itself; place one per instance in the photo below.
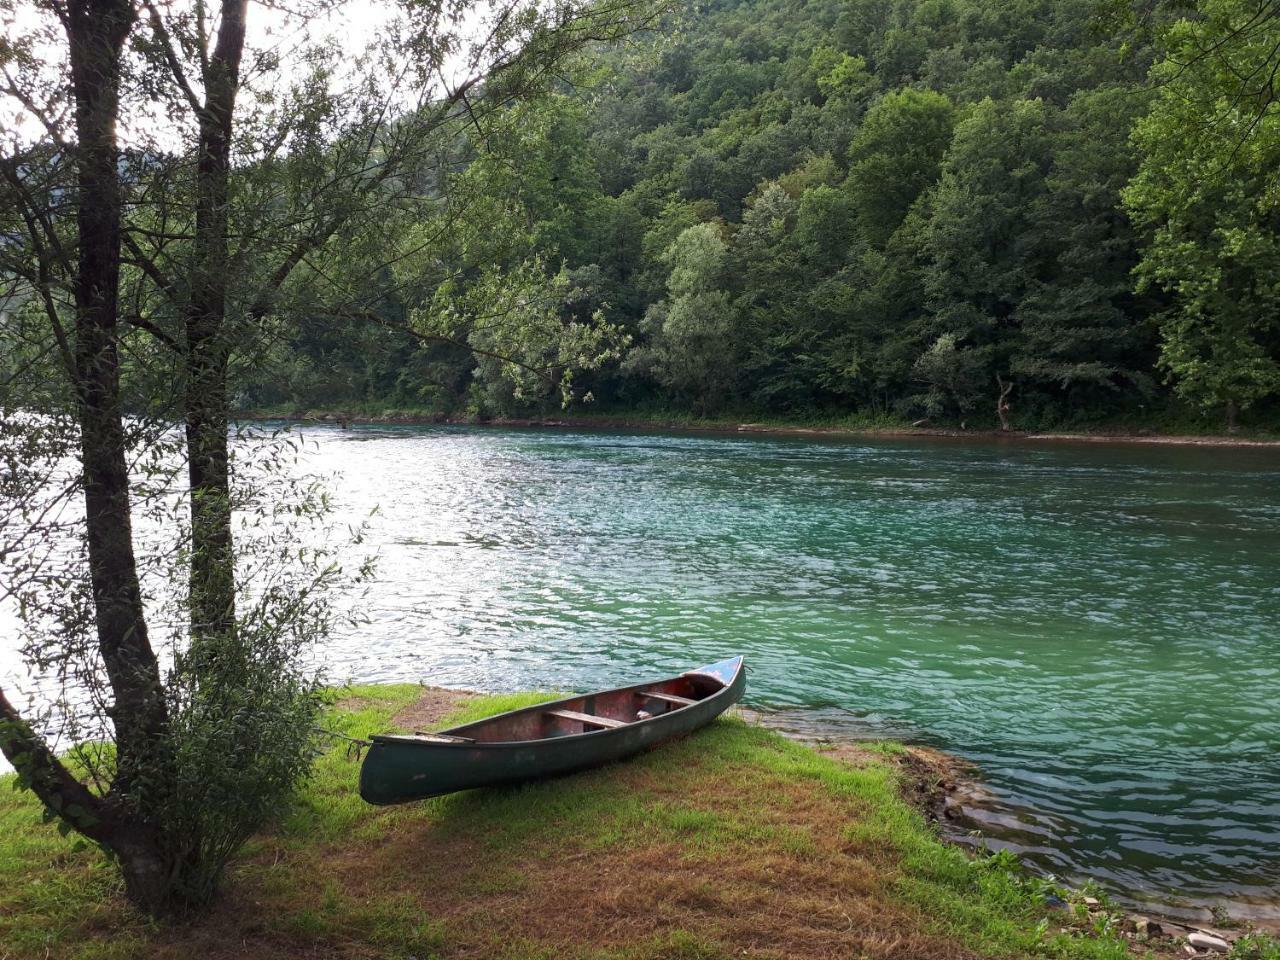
(1094, 625)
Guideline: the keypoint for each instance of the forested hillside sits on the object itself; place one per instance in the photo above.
(917, 208)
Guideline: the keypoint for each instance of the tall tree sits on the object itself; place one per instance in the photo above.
(231, 194)
(692, 347)
(984, 260)
(895, 156)
(1080, 340)
(124, 820)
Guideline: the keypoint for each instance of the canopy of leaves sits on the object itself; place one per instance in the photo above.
(1208, 189)
(881, 173)
(865, 177)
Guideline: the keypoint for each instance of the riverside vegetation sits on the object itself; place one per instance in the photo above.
(733, 843)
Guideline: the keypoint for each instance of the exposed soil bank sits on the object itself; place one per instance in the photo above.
(1102, 435)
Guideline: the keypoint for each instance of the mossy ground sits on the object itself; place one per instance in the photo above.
(732, 843)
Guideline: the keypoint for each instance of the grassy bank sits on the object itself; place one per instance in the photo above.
(1170, 427)
(733, 843)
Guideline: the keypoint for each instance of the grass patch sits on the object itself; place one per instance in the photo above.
(734, 842)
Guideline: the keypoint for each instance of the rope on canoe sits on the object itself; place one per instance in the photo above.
(355, 745)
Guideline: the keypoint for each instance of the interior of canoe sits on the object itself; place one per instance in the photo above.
(607, 710)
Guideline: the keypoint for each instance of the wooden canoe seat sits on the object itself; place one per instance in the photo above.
(670, 698)
(589, 719)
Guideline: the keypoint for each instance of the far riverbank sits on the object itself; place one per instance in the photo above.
(883, 428)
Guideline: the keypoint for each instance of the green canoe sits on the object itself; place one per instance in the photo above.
(552, 738)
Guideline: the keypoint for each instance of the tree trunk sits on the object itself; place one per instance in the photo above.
(147, 872)
(212, 578)
(124, 820)
(1233, 412)
(212, 574)
(96, 32)
(112, 821)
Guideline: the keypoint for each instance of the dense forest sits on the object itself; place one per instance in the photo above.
(1017, 214)
(946, 209)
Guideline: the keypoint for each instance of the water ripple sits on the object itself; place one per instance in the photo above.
(1094, 625)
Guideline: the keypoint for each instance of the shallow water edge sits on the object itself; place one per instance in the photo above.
(953, 793)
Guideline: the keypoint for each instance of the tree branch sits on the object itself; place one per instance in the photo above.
(137, 320)
(171, 58)
(45, 775)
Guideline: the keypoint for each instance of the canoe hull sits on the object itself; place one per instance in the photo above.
(399, 769)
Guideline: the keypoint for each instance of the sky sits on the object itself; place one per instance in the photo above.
(272, 30)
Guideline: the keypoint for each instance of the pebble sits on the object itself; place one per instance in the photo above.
(1207, 941)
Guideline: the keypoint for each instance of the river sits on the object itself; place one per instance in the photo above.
(1094, 625)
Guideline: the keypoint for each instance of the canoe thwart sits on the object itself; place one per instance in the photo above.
(587, 718)
(668, 698)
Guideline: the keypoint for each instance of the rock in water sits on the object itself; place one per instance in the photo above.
(1207, 941)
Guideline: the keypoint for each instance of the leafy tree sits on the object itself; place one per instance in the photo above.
(768, 304)
(956, 376)
(152, 270)
(840, 77)
(1208, 195)
(692, 344)
(984, 257)
(1078, 341)
(895, 156)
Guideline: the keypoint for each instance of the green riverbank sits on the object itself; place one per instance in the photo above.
(733, 843)
(1177, 429)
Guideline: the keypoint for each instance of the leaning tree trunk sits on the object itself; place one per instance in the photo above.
(212, 575)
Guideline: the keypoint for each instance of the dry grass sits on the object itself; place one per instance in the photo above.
(431, 709)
